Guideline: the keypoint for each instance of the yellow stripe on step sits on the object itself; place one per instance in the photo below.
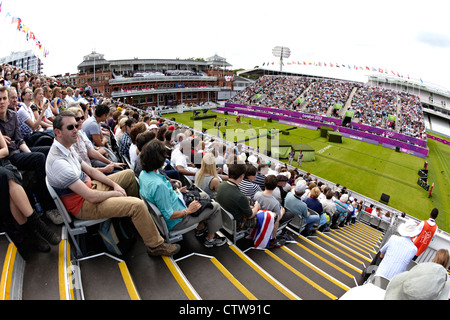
(185, 286)
(233, 280)
(8, 267)
(128, 281)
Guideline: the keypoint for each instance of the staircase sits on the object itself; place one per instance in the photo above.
(321, 267)
(348, 104)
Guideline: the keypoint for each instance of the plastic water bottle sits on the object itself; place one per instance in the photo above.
(37, 206)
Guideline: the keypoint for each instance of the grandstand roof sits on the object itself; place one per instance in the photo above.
(259, 72)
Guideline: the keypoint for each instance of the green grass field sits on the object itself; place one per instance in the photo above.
(362, 167)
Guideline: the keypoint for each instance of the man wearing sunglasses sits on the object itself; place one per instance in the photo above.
(89, 194)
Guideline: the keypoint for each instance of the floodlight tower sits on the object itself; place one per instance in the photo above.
(281, 52)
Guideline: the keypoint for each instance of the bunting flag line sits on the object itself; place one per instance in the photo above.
(338, 65)
(23, 29)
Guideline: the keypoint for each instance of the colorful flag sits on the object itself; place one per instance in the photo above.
(263, 231)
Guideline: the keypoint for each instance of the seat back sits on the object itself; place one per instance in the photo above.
(74, 226)
(67, 219)
(158, 218)
(297, 222)
(380, 281)
(374, 221)
(230, 225)
(384, 225)
(364, 217)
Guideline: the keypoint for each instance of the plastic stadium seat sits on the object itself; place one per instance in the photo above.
(297, 222)
(169, 236)
(364, 217)
(374, 221)
(384, 225)
(75, 227)
(380, 281)
(229, 224)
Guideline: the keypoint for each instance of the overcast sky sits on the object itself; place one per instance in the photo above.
(409, 37)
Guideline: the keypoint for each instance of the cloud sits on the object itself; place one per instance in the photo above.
(434, 39)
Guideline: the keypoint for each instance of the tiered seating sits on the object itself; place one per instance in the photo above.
(372, 105)
(283, 91)
(324, 94)
(410, 118)
(249, 275)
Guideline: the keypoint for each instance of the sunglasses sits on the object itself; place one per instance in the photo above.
(70, 127)
(79, 118)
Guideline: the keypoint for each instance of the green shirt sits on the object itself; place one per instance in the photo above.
(233, 200)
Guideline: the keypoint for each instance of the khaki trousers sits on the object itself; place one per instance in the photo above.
(130, 206)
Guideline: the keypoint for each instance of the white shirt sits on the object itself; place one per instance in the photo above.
(178, 158)
(132, 154)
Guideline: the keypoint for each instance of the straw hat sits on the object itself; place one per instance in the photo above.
(408, 229)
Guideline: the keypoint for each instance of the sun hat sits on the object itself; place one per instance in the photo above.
(252, 159)
(242, 157)
(344, 198)
(426, 281)
(408, 229)
(300, 187)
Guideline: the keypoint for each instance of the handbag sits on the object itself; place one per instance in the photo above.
(193, 193)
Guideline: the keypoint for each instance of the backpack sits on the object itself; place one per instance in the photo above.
(40, 138)
(118, 235)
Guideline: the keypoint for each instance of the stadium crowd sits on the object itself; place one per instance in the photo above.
(82, 144)
(283, 92)
(99, 133)
(325, 94)
(411, 120)
(371, 105)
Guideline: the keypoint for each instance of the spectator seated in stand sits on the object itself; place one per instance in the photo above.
(296, 205)
(88, 152)
(14, 205)
(313, 203)
(247, 185)
(114, 196)
(157, 189)
(207, 178)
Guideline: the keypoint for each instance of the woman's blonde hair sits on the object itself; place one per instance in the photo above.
(442, 258)
(208, 168)
(315, 192)
(75, 110)
(35, 93)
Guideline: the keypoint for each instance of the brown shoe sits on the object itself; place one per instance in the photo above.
(164, 249)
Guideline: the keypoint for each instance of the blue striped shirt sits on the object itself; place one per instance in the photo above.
(399, 251)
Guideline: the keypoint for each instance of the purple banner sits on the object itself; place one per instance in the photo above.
(392, 134)
(347, 132)
(387, 142)
(439, 139)
(291, 113)
(336, 121)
